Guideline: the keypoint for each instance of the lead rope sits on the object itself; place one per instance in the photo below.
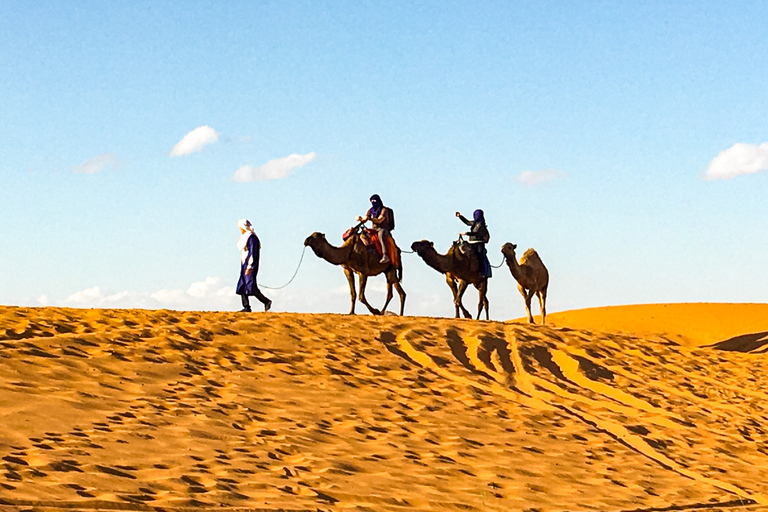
(500, 264)
(294, 274)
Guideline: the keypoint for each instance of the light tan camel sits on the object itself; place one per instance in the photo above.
(461, 267)
(531, 276)
(356, 258)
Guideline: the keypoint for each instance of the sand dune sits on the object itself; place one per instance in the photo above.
(691, 324)
(635, 408)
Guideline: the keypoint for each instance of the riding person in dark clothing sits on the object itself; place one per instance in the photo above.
(382, 219)
(478, 237)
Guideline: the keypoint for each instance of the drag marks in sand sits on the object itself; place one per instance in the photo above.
(542, 394)
(150, 410)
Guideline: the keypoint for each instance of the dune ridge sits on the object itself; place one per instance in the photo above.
(161, 410)
(694, 323)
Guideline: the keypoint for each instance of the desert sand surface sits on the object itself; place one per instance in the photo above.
(691, 323)
(607, 409)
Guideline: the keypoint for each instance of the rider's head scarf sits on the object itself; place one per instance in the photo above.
(376, 205)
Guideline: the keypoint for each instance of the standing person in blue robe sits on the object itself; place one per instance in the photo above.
(478, 236)
(250, 247)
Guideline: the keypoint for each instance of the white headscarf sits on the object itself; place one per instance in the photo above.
(245, 225)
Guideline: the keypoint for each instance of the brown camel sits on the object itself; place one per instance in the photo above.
(461, 268)
(356, 258)
(531, 276)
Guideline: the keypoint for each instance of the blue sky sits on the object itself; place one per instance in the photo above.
(628, 144)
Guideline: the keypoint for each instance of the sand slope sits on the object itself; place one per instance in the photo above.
(691, 324)
(141, 410)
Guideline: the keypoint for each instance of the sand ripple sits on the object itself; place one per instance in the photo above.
(149, 410)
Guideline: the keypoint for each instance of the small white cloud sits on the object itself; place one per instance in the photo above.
(89, 295)
(531, 178)
(208, 294)
(97, 164)
(739, 159)
(210, 288)
(171, 297)
(96, 296)
(274, 169)
(195, 141)
(43, 300)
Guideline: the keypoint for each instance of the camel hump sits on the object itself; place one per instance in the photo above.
(531, 257)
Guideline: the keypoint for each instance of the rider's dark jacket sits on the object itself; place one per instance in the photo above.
(478, 231)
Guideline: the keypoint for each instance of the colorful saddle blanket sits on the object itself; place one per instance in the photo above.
(370, 238)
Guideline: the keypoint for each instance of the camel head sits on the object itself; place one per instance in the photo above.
(315, 240)
(508, 250)
(422, 247)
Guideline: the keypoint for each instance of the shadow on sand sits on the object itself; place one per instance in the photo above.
(744, 343)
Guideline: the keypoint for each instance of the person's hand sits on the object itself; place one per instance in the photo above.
(359, 219)
(247, 271)
(458, 214)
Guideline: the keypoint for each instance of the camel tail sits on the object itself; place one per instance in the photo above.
(400, 272)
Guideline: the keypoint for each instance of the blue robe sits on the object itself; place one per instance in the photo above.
(246, 285)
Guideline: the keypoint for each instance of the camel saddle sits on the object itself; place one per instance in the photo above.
(370, 238)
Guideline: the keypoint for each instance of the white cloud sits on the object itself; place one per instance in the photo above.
(195, 141)
(274, 169)
(213, 294)
(85, 296)
(97, 164)
(171, 297)
(210, 288)
(96, 296)
(531, 178)
(739, 159)
(208, 294)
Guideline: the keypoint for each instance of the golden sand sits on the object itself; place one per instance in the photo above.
(641, 407)
(692, 323)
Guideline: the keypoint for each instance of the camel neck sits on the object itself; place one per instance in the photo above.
(333, 254)
(439, 262)
(514, 267)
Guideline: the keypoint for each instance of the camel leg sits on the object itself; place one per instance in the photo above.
(459, 294)
(454, 291)
(363, 281)
(482, 291)
(389, 293)
(480, 303)
(527, 300)
(352, 292)
(395, 281)
(542, 294)
(401, 293)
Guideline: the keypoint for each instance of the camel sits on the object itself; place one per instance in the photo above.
(461, 269)
(531, 276)
(356, 258)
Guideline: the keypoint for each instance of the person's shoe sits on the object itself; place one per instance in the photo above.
(268, 306)
(245, 310)
(384, 259)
